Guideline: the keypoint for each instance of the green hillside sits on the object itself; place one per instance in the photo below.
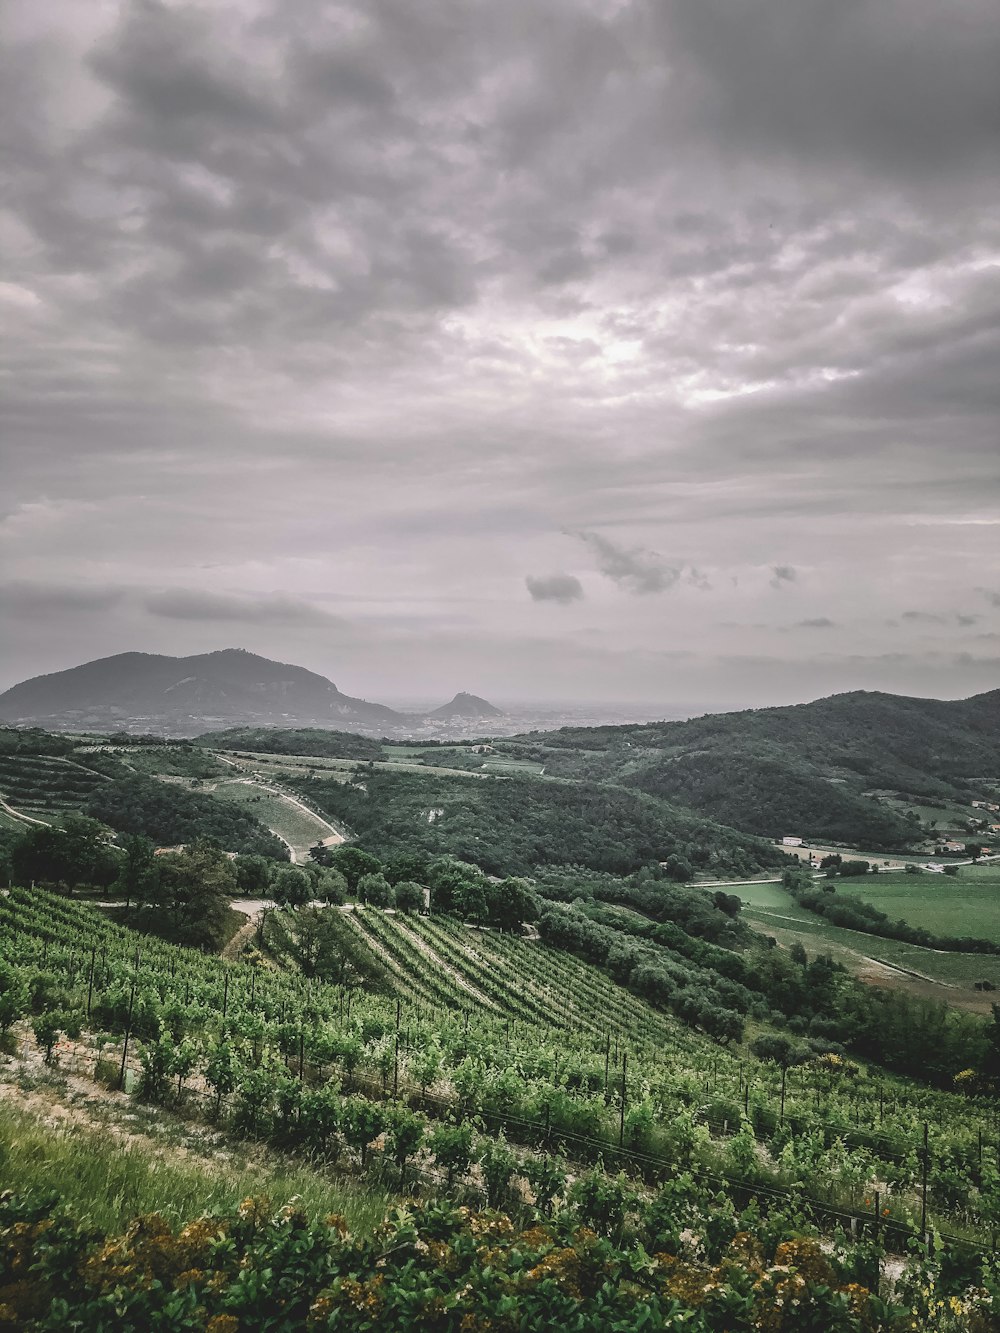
(293, 740)
(513, 825)
(803, 769)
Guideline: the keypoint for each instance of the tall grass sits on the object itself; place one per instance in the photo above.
(105, 1182)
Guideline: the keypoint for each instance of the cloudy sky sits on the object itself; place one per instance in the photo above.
(585, 349)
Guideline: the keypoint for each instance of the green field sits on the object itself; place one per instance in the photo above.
(966, 904)
(297, 827)
(924, 972)
(333, 768)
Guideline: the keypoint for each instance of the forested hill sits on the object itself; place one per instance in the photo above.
(800, 769)
(516, 825)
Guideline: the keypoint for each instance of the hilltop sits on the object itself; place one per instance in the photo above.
(466, 706)
(823, 769)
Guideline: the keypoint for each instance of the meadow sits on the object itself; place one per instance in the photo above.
(926, 973)
(965, 904)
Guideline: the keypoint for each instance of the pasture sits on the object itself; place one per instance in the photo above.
(925, 973)
(965, 904)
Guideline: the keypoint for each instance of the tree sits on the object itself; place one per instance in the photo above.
(406, 866)
(136, 881)
(315, 943)
(470, 902)
(511, 903)
(352, 863)
(375, 890)
(329, 885)
(730, 904)
(253, 874)
(409, 896)
(852, 869)
(447, 880)
(77, 853)
(291, 887)
(193, 892)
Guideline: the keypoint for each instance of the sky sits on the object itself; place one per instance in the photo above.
(576, 350)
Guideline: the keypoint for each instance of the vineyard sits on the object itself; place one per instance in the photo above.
(511, 1075)
(559, 1058)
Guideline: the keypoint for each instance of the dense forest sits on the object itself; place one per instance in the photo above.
(170, 815)
(293, 740)
(803, 769)
(512, 826)
(771, 795)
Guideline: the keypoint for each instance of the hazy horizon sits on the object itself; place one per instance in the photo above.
(618, 350)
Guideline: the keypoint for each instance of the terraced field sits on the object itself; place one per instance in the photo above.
(44, 786)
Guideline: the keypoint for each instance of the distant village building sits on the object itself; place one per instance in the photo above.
(791, 842)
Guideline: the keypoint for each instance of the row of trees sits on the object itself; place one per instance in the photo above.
(409, 881)
(856, 914)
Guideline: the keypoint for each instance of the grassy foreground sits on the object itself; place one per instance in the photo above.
(105, 1181)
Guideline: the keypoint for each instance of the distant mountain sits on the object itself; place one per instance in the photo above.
(803, 769)
(468, 707)
(184, 695)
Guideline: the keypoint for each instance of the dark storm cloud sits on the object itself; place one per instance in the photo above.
(782, 575)
(191, 604)
(563, 588)
(634, 569)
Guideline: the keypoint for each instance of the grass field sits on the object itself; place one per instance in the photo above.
(296, 826)
(332, 768)
(927, 973)
(110, 1162)
(498, 764)
(966, 904)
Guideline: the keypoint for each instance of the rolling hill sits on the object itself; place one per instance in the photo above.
(802, 769)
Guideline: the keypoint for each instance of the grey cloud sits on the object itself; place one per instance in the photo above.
(563, 588)
(635, 569)
(924, 618)
(902, 85)
(991, 595)
(56, 599)
(782, 574)
(817, 622)
(377, 297)
(192, 604)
